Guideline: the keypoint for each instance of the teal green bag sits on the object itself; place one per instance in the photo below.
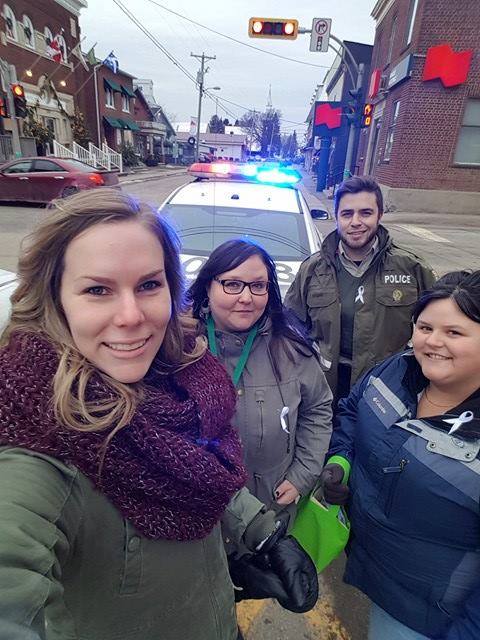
(321, 529)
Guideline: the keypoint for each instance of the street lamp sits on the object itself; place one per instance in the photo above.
(200, 95)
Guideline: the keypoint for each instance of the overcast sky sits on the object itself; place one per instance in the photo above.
(243, 74)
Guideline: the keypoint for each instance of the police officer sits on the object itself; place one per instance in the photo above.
(357, 293)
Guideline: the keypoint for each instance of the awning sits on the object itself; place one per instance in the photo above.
(127, 91)
(112, 85)
(129, 124)
(113, 122)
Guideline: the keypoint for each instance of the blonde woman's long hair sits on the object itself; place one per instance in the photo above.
(36, 306)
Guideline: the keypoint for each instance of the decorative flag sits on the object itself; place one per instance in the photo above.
(77, 52)
(91, 58)
(111, 62)
(450, 66)
(193, 125)
(54, 51)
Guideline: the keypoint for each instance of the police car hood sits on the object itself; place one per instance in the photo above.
(286, 270)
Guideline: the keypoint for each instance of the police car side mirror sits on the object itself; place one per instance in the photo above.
(319, 214)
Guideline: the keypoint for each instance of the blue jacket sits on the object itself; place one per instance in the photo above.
(414, 504)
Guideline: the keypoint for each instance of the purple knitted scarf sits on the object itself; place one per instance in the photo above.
(170, 472)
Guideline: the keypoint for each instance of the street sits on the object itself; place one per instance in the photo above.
(446, 241)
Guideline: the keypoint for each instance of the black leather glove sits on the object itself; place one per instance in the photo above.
(285, 572)
(331, 480)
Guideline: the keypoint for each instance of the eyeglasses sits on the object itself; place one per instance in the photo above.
(234, 287)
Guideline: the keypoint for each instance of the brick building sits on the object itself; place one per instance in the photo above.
(26, 30)
(108, 99)
(424, 142)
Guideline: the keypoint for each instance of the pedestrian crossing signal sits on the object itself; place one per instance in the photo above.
(367, 115)
(279, 28)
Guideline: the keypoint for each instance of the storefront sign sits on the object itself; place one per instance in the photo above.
(401, 71)
(327, 119)
(374, 85)
(450, 66)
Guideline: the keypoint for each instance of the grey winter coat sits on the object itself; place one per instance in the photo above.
(273, 454)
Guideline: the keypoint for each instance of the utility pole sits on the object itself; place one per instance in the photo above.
(200, 79)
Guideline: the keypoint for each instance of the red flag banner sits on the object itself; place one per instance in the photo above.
(450, 66)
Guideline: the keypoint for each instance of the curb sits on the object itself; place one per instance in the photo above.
(155, 177)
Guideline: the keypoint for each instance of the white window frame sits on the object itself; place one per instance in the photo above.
(468, 129)
(391, 42)
(391, 131)
(27, 23)
(8, 13)
(125, 103)
(73, 28)
(47, 35)
(109, 98)
(411, 20)
(62, 43)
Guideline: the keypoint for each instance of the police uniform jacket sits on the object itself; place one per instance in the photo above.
(382, 324)
(414, 502)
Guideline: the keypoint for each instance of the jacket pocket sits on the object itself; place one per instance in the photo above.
(132, 566)
(391, 295)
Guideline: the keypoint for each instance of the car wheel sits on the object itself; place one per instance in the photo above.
(69, 191)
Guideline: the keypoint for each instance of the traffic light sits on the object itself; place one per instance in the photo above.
(280, 28)
(354, 110)
(19, 101)
(367, 115)
(3, 106)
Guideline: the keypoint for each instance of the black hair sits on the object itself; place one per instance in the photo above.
(463, 287)
(286, 328)
(356, 184)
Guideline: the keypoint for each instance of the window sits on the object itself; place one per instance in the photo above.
(47, 36)
(73, 27)
(63, 48)
(50, 123)
(19, 167)
(411, 20)
(391, 130)
(125, 103)
(10, 22)
(46, 165)
(468, 143)
(28, 32)
(109, 98)
(392, 39)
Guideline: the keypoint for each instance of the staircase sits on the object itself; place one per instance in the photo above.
(104, 158)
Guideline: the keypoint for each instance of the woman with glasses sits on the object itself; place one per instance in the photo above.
(283, 412)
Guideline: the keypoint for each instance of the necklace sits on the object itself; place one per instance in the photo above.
(435, 404)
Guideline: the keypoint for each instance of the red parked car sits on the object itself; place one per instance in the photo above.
(43, 179)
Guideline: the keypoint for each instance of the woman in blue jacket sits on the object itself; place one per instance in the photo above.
(410, 429)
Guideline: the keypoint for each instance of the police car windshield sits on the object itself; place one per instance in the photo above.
(201, 229)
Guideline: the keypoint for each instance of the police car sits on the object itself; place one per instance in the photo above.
(231, 200)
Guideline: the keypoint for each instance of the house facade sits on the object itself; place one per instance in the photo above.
(26, 31)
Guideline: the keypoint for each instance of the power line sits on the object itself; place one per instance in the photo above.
(244, 44)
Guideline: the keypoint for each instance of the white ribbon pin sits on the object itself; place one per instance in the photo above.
(360, 292)
(283, 422)
(466, 416)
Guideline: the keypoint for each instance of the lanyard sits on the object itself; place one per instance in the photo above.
(242, 361)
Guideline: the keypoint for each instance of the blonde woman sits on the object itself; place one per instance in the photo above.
(117, 458)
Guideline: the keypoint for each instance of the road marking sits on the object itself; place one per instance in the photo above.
(423, 233)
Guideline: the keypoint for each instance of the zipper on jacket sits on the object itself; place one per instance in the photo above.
(393, 486)
(259, 399)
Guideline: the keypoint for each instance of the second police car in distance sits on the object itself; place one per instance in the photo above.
(231, 200)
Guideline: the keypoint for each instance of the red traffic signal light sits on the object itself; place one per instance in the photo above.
(280, 28)
(19, 101)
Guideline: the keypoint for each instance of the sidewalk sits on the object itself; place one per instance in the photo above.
(315, 200)
(142, 174)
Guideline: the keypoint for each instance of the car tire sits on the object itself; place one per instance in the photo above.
(69, 191)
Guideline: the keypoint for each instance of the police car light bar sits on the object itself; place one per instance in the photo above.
(225, 170)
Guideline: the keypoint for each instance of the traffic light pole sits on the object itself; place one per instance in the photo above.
(200, 79)
(351, 132)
